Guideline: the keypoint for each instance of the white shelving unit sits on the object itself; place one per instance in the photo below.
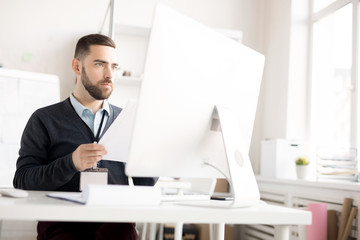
(21, 93)
(125, 88)
(130, 81)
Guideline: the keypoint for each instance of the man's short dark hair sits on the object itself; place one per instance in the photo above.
(83, 45)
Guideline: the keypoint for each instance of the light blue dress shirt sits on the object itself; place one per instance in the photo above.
(91, 119)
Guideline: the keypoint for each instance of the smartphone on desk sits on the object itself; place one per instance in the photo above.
(220, 196)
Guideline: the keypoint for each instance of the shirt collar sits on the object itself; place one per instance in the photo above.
(79, 108)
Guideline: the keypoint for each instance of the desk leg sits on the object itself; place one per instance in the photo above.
(161, 232)
(152, 231)
(144, 230)
(282, 232)
(178, 231)
(218, 231)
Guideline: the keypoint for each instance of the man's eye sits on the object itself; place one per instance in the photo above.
(115, 67)
(99, 64)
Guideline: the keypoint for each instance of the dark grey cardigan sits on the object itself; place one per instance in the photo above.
(45, 157)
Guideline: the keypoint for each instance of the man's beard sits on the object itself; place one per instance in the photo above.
(94, 90)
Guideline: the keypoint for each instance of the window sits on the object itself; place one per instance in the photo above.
(334, 102)
(334, 67)
(320, 4)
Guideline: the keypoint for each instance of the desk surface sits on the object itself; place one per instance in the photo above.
(39, 207)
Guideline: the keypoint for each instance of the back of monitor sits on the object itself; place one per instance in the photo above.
(194, 80)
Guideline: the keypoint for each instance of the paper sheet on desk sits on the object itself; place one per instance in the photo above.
(112, 195)
(117, 138)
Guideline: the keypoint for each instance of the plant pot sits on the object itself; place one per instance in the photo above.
(302, 171)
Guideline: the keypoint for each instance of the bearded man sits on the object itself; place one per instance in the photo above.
(58, 141)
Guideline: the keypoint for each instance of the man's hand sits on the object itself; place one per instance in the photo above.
(87, 155)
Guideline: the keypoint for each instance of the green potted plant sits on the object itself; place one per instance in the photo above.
(302, 168)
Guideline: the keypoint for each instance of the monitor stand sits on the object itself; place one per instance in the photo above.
(241, 178)
(243, 185)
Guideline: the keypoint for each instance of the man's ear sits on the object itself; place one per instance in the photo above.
(76, 66)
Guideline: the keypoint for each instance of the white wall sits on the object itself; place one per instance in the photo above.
(285, 45)
(284, 95)
(276, 48)
(45, 32)
(227, 14)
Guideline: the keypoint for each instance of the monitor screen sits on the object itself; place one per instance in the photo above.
(190, 69)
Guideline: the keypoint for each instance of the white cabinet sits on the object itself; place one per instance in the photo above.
(21, 93)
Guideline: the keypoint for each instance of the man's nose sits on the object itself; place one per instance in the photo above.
(108, 72)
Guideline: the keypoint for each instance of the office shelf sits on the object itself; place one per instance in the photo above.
(130, 81)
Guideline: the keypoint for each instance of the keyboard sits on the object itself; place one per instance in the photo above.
(184, 197)
(13, 192)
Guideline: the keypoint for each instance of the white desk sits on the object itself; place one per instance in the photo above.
(41, 208)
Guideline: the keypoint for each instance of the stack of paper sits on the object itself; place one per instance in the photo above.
(337, 163)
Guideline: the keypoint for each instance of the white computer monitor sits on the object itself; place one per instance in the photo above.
(196, 82)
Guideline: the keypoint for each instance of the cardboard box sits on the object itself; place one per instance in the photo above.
(222, 185)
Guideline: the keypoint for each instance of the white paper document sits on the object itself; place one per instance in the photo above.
(94, 194)
(117, 138)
